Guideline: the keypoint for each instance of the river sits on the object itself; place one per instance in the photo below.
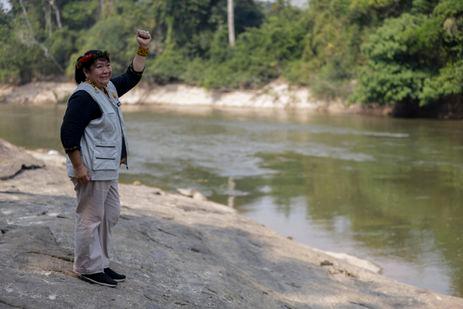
(385, 190)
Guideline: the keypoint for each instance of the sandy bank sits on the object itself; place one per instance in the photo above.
(177, 252)
(276, 95)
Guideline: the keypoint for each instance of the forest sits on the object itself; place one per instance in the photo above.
(383, 52)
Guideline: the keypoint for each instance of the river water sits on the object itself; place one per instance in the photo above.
(386, 190)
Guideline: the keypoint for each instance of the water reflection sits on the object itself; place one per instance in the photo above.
(33, 127)
(407, 211)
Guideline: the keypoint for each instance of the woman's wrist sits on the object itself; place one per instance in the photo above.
(78, 167)
(132, 70)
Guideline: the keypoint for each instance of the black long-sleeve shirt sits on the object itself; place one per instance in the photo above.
(82, 109)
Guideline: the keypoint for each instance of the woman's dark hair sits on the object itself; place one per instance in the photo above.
(85, 61)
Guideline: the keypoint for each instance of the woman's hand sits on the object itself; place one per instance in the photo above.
(80, 171)
(81, 174)
(143, 38)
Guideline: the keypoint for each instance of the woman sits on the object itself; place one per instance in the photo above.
(93, 135)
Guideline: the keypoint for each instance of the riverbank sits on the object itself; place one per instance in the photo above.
(276, 95)
(176, 251)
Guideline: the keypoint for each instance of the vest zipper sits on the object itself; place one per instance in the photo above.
(122, 132)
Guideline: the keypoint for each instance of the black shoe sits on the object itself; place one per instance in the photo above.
(99, 278)
(115, 276)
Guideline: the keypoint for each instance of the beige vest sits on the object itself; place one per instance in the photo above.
(101, 143)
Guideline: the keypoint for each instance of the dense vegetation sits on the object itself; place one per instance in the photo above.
(380, 51)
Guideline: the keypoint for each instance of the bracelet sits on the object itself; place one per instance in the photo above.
(143, 51)
(71, 149)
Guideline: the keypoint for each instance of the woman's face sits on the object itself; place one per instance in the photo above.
(100, 72)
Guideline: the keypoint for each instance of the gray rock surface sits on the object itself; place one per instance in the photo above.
(14, 160)
(177, 252)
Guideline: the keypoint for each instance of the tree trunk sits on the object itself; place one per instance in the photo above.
(106, 8)
(101, 8)
(57, 13)
(48, 23)
(33, 40)
(231, 23)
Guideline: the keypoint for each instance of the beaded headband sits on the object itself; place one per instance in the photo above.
(90, 56)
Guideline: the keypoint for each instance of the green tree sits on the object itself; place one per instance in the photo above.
(415, 58)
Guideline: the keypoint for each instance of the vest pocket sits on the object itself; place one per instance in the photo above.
(105, 158)
(109, 124)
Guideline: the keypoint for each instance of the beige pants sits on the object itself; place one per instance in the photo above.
(98, 209)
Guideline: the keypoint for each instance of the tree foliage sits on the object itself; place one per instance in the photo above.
(381, 51)
(414, 58)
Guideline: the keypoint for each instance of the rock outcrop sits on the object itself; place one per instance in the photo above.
(177, 252)
(14, 161)
(275, 95)
(37, 93)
